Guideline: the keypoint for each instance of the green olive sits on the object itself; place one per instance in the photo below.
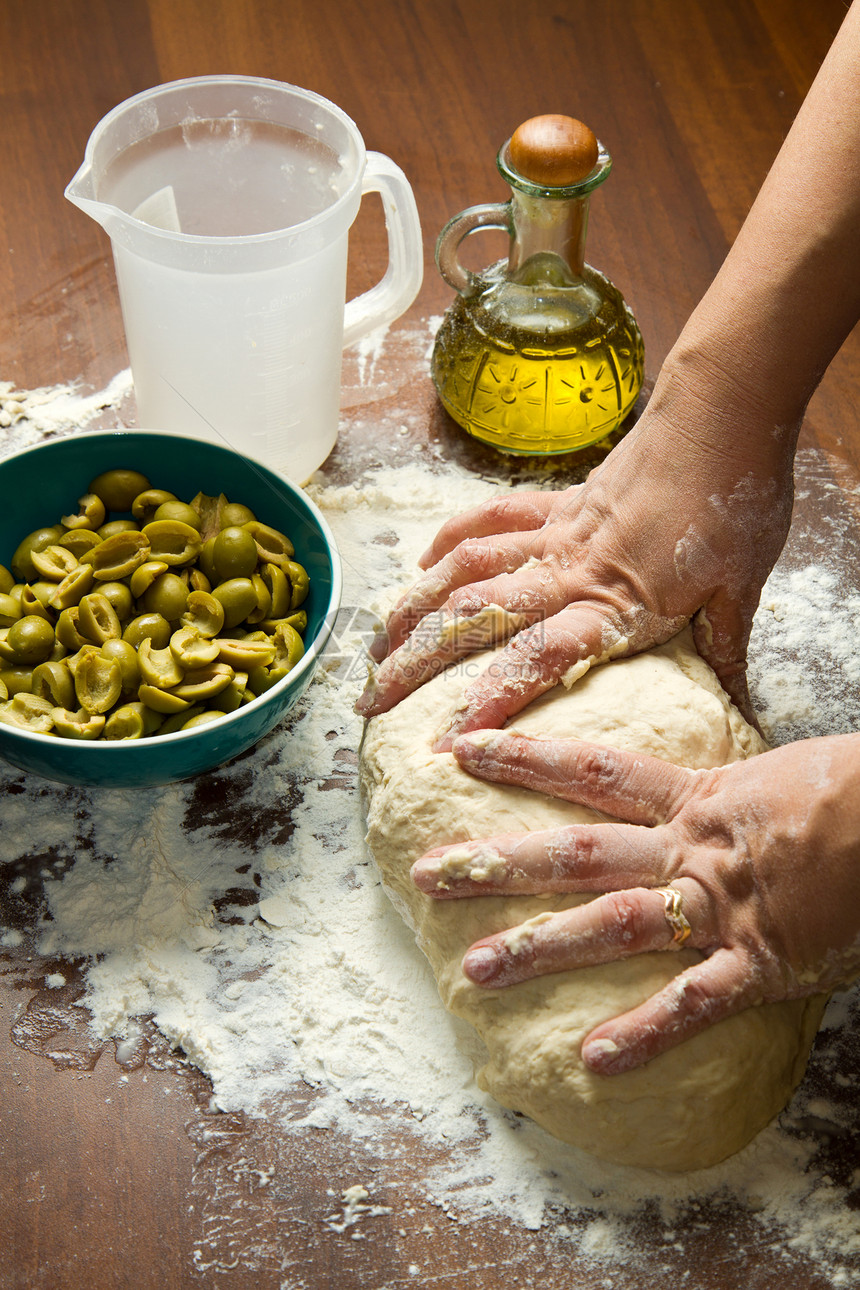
(145, 505)
(54, 681)
(172, 541)
(28, 712)
(22, 561)
(234, 554)
(203, 614)
(68, 629)
(237, 598)
(54, 563)
(10, 609)
(72, 588)
(120, 597)
(203, 719)
(176, 721)
(176, 510)
(79, 540)
(78, 724)
(125, 656)
(118, 556)
(272, 544)
(168, 596)
(117, 526)
(91, 513)
(235, 513)
(206, 561)
(17, 680)
(6, 580)
(29, 641)
(131, 721)
(32, 603)
(98, 683)
(158, 667)
(154, 627)
(118, 488)
(97, 619)
(299, 581)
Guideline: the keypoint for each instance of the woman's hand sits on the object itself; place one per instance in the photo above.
(765, 854)
(670, 528)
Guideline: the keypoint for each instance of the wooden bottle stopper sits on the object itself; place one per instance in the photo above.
(553, 151)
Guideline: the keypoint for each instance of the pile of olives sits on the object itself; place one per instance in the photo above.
(127, 628)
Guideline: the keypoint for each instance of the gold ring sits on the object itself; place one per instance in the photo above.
(674, 912)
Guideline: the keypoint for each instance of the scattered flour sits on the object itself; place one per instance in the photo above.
(288, 970)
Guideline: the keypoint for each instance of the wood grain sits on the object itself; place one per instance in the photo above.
(115, 1177)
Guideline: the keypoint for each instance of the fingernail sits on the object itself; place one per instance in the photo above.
(600, 1054)
(471, 747)
(365, 703)
(481, 965)
(379, 647)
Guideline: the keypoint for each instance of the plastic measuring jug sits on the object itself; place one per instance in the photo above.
(228, 201)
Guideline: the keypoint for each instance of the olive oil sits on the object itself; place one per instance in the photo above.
(539, 354)
(540, 392)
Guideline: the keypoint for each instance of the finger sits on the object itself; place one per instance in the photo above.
(439, 640)
(629, 786)
(560, 648)
(697, 998)
(602, 857)
(721, 633)
(472, 562)
(510, 513)
(613, 926)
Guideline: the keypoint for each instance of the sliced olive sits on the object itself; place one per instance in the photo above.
(97, 619)
(132, 721)
(53, 563)
(203, 613)
(158, 667)
(98, 683)
(78, 724)
(28, 712)
(54, 681)
(146, 503)
(118, 556)
(90, 514)
(22, 561)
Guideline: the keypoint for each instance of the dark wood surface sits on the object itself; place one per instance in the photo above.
(108, 1184)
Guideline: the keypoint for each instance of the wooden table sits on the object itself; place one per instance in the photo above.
(105, 1184)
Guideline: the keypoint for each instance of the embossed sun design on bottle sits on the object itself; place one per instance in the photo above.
(538, 354)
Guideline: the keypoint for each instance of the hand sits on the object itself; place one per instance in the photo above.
(765, 854)
(670, 528)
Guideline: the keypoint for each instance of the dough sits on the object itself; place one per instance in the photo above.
(688, 1108)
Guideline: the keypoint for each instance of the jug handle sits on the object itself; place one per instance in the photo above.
(490, 215)
(399, 286)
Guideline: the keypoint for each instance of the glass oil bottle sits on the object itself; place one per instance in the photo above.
(538, 354)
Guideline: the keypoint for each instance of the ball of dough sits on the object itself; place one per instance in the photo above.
(688, 1108)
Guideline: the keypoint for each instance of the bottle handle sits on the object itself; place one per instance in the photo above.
(490, 215)
(399, 286)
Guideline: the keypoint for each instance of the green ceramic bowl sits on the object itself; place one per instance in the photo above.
(39, 485)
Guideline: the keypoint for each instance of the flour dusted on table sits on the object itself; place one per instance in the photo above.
(288, 972)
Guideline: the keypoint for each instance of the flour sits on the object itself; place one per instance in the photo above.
(289, 972)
